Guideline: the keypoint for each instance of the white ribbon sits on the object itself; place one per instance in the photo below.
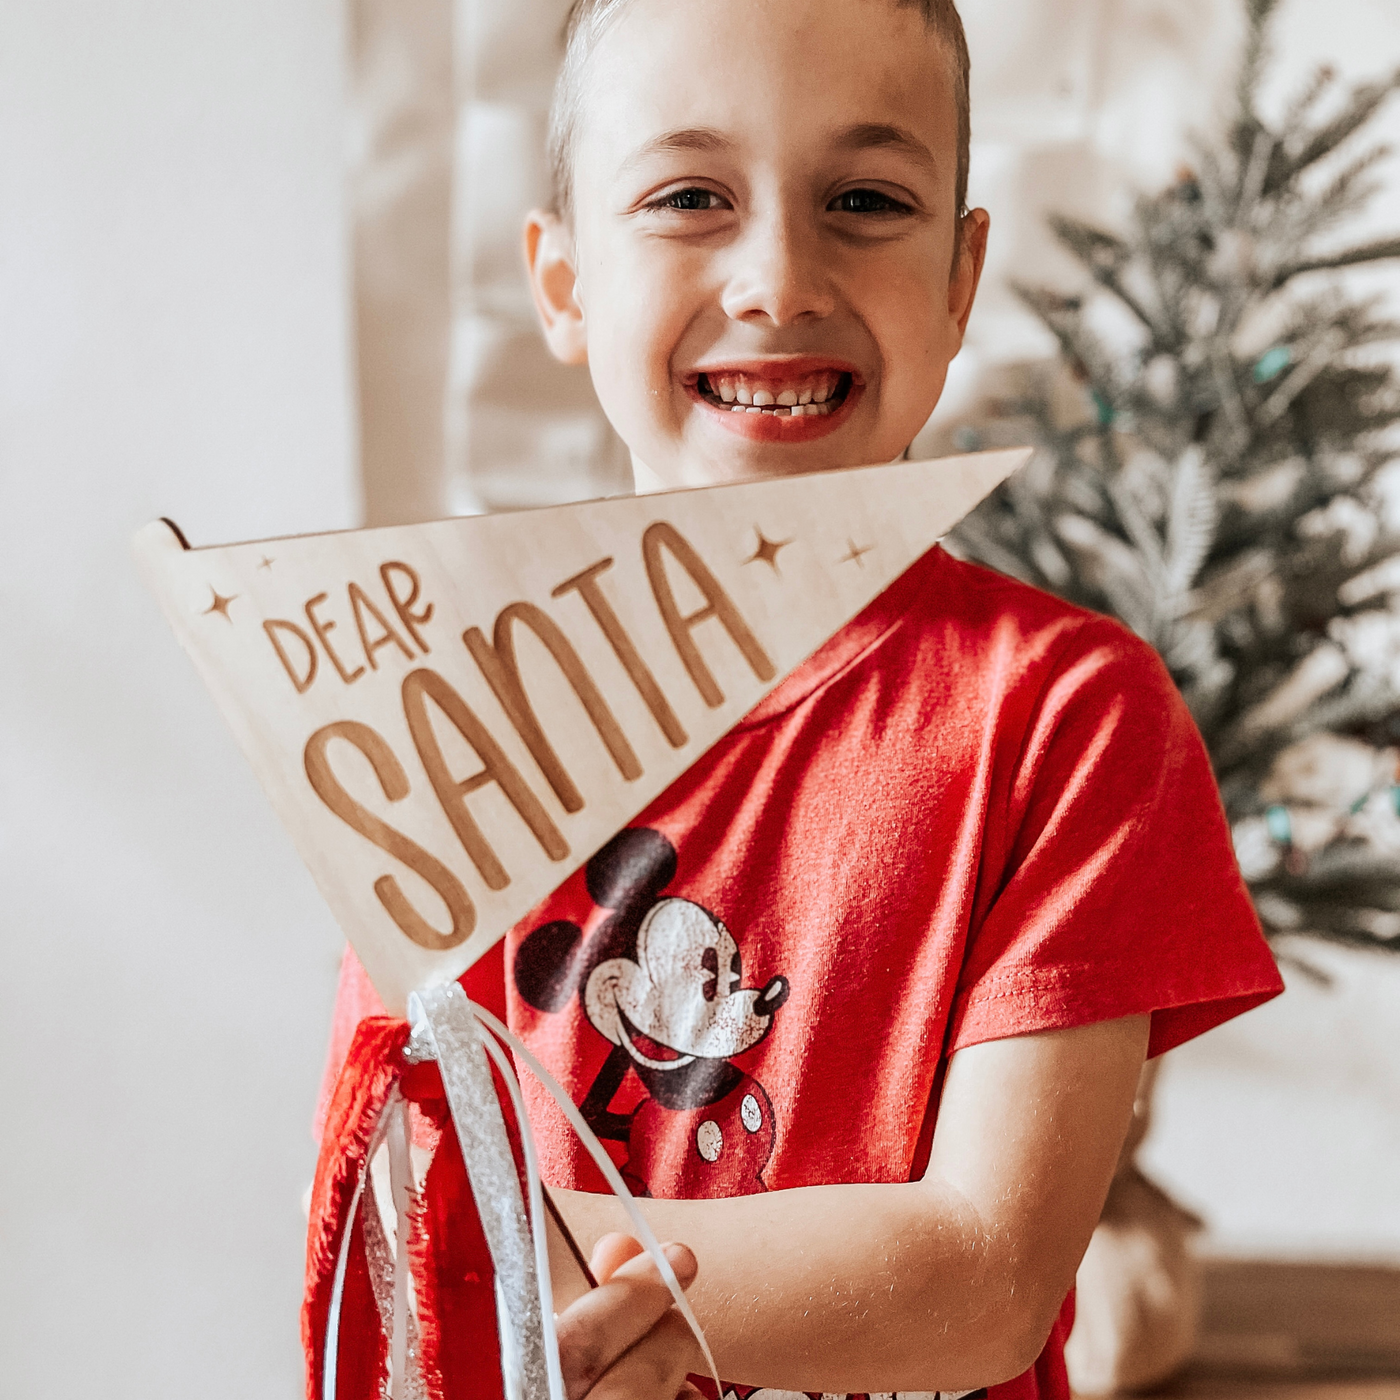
(611, 1175)
(400, 1187)
(443, 1017)
(447, 1027)
(393, 1105)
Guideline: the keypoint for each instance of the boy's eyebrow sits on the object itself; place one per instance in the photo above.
(864, 136)
(867, 136)
(693, 138)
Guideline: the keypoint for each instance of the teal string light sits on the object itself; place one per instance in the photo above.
(1272, 363)
(1104, 409)
(1280, 824)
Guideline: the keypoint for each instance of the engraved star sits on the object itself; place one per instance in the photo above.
(856, 552)
(220, 604)
(767, 550)
(266, 563)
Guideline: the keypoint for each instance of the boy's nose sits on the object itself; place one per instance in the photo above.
(778, 274)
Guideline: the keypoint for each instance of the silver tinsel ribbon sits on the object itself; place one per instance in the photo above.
(465, 1040)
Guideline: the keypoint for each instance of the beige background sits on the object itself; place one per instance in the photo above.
(174, 297)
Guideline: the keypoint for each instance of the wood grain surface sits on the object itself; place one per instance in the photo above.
(451, 717)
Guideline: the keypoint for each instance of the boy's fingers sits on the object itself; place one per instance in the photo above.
(605, 1324)
(656, 1366)
(679, 1256)
(611, 1253)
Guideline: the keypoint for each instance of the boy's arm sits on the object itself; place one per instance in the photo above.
(948, 1283)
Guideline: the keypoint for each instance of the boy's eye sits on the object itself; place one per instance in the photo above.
(866, 202)
(689, 199)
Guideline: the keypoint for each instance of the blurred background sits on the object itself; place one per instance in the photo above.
(259, 273)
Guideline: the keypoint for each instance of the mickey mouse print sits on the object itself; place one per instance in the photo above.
(661, 979)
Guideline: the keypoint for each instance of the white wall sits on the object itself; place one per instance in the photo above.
(172, 341)
(1283, 1128)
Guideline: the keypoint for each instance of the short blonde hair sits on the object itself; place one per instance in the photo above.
(588, 19)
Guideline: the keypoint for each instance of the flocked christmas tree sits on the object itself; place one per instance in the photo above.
(1213, 475)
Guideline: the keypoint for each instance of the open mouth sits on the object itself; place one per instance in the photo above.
(647, 1051)
(792, 400)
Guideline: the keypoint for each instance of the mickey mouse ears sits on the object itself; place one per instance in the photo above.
(451, 717)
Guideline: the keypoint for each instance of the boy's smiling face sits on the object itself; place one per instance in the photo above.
(763, 219)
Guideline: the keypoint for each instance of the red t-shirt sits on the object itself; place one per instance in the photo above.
(977, 812)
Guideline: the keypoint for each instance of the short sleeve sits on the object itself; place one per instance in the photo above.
(1119, 893)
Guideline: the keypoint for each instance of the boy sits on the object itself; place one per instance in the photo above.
(965, 867)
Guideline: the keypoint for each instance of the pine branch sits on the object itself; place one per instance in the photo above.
(1191, 523)
(1343, 195)
(1259, 12)
(1308, 97)
(1364, 104)
(1313, 364)
(1256, 171)
(1104, 256)
(978, 540)
(1379, 251)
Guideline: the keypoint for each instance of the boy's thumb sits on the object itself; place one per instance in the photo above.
(682, 1259)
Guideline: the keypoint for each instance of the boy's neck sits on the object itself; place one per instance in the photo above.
(645, 482)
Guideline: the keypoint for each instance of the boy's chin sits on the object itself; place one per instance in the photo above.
(712, 453)
(744, 462)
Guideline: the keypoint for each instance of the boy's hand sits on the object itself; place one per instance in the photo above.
(624, 1340)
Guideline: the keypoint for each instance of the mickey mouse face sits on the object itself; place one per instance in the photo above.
(660, 976)
(679, 998)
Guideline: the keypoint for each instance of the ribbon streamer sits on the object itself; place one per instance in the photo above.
(466, 1040)
(393, 1104)
(450, 1029)
(611, 1175)
(400, 1187)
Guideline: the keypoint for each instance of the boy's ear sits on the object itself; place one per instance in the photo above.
(549, 258)
(967, 265)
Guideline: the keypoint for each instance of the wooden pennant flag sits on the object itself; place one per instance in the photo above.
(452, 717)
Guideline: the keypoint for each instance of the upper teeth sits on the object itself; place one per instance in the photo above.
(749, 392)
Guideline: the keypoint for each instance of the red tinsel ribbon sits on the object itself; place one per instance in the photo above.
(355, 1292)
(458, 1356)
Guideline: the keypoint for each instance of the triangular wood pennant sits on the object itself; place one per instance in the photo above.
(452, 717)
